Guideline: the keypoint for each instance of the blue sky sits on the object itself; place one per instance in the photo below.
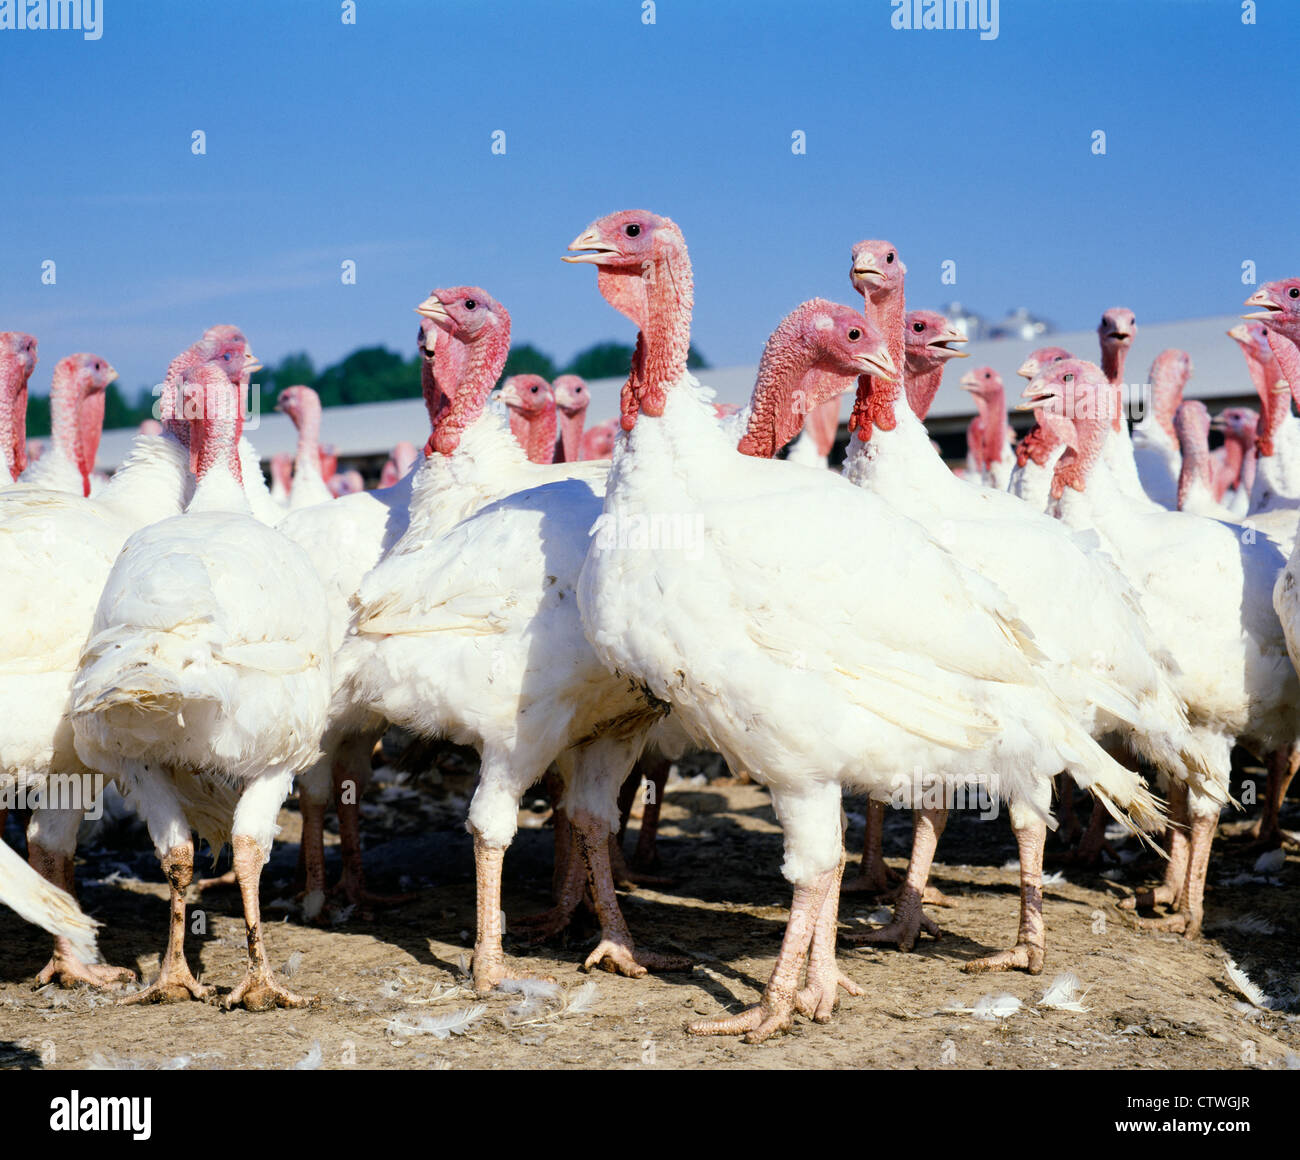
(372, 142)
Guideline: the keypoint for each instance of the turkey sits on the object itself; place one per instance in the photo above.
(931, 341)
(906, 659)
(1279, 313)
(17, 362)
(598, 441)
(281, 478)
(990, 441)
(571, 401)
(1207, 592)
(1277, 467)
(1108, 671)
(1117, 332)
(813, 445)
(77, 395)
(345, 539)
(1196, 468)
(468, 629)
(302, 405)
(1040, 448)
(204, 684)
(399, 464)
(530, 402)
(1234, 464)
(1155, 442)
(60, 549)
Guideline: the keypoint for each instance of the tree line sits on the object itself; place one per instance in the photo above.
(372, 374)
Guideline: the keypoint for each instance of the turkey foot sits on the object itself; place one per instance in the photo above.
(874, 876)
(775, 1011)
(259, 990)
(1031, 941)
(175, 982)
(821, 993)
(910, 921)
(489, 966)
(615, 950)
(1267, 832)
(1171, 891)
(66, 969)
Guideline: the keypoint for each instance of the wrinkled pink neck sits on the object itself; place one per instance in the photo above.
(570, 445)
(482, 366)
(1073, 467)
(993, 423)
(665, 338)
(921, 389)
(282, 471)
(1196, 467)
(1113, 357)
(1275, 411)
(787, 373)
(1166, 398)
(1288, 361)
(535, 433)
(76, 423)
(13, 415)
(875, 401)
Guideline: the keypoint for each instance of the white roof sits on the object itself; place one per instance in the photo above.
(373, 428)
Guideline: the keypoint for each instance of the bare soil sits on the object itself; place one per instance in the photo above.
(390, 986)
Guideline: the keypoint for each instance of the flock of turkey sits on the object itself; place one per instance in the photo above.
(1096, 606)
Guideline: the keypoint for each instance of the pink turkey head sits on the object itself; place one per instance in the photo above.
(1039, 358)
(469, 316)
(877, 270)
(1279, 307)
(598, 442)
(531, 403)
(213, 409)
(77, 399)
(571, 395)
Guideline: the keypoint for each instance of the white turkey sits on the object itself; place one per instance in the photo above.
(204, 684)
(905, 659)
(77, 396)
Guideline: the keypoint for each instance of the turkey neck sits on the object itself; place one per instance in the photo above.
(921, 389)
(1073, 468)
(1194, 473)
(788, 360)
(571, 424)
(876, 404)
(1113, 357)
(13, 416)
(479, 369)
(665, 339)
(307, 457)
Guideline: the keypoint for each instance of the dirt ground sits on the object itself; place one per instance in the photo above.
(394, 991)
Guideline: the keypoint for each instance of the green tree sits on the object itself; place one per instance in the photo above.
(528, 360)
(608, 360)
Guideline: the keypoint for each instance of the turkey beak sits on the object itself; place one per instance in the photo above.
(878, 364)
(969, 382)
(588, 240)
(942, 345)
(1238, 332)
(433, 309)
(1263, 299)
(865, 274)
(112, 374)
(1028, 369)
(1035, 395)
(510, 395)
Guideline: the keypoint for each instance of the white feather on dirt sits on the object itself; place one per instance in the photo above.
(440, 1026)
(538, 995)
(1249, 989)
(312, 1060)
(291, 965)
(1064, 994)
(1247, 924)
(1055, 878)
(989, 1007)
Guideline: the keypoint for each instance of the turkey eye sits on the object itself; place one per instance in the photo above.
(1294, 292)
(633, 230)
(470, 304)
(919, 327)
(854, 334)
(889, 257)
